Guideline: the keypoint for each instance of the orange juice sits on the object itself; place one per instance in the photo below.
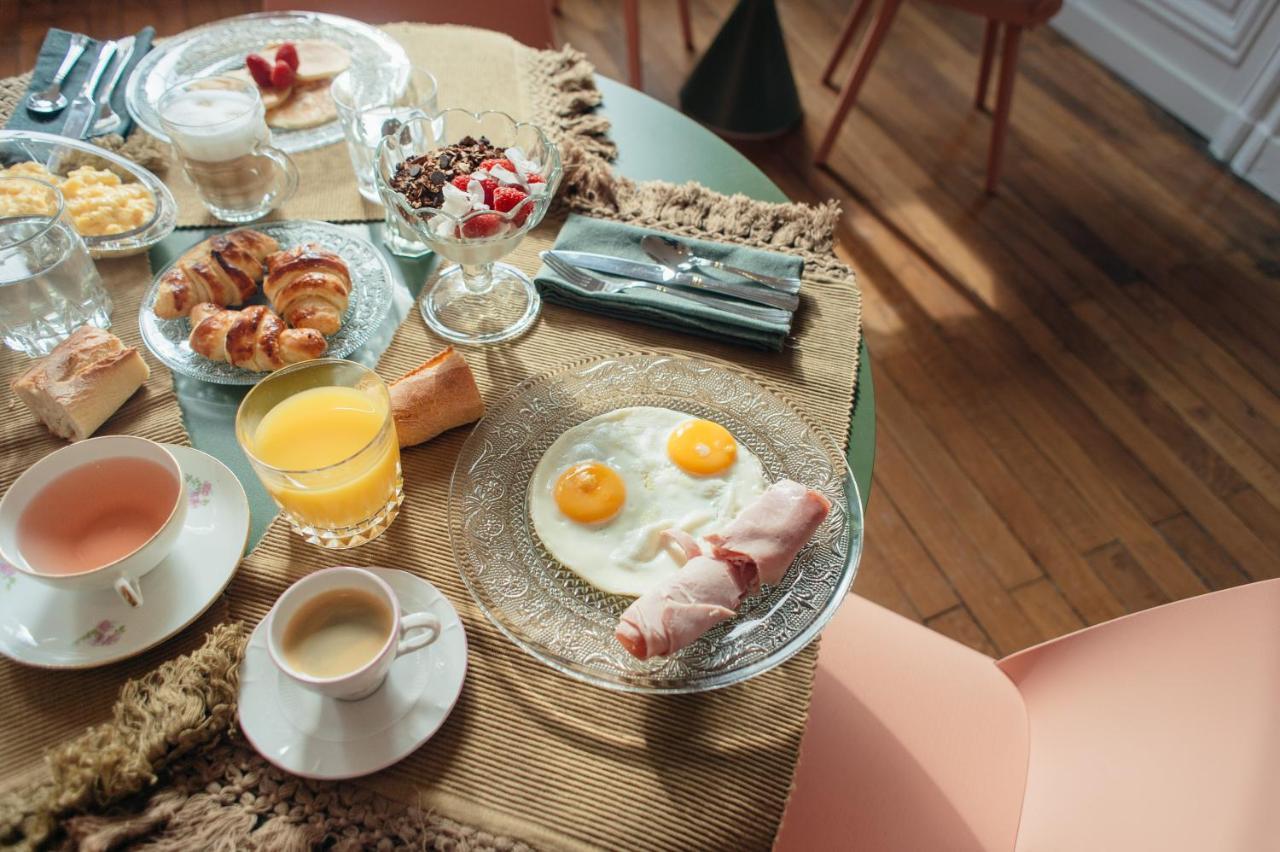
(338, 448)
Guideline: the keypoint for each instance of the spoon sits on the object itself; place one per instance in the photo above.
(51, 99)
(676, 255)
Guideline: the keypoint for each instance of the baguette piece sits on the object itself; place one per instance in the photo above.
(82, 382)
(435, 397)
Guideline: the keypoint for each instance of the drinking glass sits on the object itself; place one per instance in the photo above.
(49, 286)
(338, 505)
(219, 130)
(370, 102)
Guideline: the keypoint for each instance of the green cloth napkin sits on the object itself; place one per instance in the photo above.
(601, 236)
(51, 54)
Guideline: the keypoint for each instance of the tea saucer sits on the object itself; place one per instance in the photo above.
(307, 734)
(65, 629)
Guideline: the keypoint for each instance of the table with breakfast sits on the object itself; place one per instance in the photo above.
(386, 462)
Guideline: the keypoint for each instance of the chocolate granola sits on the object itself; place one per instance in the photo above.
(421, 179)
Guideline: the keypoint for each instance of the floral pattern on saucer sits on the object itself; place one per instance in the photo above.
(105, 632)
(198, 490)
(8, 575)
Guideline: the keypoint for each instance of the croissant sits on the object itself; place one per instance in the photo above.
(309, 286)
(224, 269)
(253, 338)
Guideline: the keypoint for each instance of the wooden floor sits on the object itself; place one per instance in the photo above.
(1077, 382)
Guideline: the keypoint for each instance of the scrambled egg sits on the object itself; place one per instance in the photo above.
(97, 201)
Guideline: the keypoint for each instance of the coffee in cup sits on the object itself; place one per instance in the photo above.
(218, 128)
(338, 631)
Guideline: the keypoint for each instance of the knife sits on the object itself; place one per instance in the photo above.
(105, 120)
(662, 275)
(84, 108)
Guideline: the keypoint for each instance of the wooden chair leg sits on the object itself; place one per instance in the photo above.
(1004, 101)
(984, 70)
(555, 7)
(857, 76)
(851, 24)
(686, 28)
(631, 12)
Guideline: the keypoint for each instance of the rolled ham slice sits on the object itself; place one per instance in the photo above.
(765, 537)
(756, 547)
(675, 613)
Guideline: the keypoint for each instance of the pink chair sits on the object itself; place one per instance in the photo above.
(527, 21)
(1159, 730)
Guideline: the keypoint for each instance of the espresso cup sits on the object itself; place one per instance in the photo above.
(123, 573)
(218, 129)
(404, 633)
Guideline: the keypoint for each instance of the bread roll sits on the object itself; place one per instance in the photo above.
(435, 397)
(77, 386)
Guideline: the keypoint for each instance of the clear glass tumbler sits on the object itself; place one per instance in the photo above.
(372, 101)
(49, 286)
(321, 437)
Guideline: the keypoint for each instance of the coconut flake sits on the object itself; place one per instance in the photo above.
(456, 202)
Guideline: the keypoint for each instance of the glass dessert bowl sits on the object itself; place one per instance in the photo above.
(470, 186)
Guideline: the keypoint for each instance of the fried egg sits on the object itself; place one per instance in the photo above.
(602, 494)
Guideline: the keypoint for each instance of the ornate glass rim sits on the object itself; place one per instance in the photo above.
(852, 531)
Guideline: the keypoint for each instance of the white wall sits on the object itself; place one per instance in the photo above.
(1213, 63)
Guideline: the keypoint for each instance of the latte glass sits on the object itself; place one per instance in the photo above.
(219, 131)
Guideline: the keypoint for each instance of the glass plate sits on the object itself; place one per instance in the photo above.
(222, 46)
(371, 285)
(61, 154)
(566, 623)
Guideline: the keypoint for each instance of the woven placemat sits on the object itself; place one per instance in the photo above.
(526, 753)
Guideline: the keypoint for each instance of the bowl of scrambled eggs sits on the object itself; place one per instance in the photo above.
(117, 206)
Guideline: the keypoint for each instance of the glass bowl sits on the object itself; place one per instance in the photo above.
(221, 46)
(60, 154)
(558, 618)
(477, 299)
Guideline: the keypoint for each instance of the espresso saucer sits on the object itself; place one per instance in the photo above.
(67, 629)
(307, 734)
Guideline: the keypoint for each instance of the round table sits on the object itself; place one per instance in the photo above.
(688, 152)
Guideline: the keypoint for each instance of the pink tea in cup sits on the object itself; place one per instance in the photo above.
(94, 514)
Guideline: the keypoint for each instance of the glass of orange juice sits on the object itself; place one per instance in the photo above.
(321, 438)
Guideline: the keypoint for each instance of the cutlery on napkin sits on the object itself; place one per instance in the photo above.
(52, 51)
(601, 237)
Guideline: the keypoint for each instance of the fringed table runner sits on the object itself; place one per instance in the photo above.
(527, 755)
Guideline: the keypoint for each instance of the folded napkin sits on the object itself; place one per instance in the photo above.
(51, 54)
(581, 233)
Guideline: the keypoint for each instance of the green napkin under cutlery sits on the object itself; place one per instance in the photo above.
(667, 310)
(55, 46)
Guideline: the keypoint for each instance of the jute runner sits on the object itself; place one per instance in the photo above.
(526, 753)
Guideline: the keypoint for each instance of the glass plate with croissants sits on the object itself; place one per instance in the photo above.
(248, 301)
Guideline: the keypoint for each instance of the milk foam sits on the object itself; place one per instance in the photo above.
(214, 125)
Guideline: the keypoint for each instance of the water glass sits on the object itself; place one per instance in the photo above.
(367, 99)
(339, 489)
(49, 286)
(219, 131)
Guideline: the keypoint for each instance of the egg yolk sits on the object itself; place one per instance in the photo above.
(590, 492)
(701, 447)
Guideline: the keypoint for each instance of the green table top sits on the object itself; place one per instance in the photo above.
(688, 152)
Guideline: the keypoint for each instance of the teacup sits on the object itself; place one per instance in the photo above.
(96, 508)
(354, 590)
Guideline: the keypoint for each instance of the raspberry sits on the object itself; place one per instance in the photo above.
(490, 186)
(484, 225)
(504, 162)
(288, 54)
(509, 198)
(282, 76)
(533, 177)
(259, 70)
(461, 181)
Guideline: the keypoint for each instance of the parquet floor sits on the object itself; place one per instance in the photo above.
(1077, 382)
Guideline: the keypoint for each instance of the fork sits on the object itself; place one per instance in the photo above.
(587, 281)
